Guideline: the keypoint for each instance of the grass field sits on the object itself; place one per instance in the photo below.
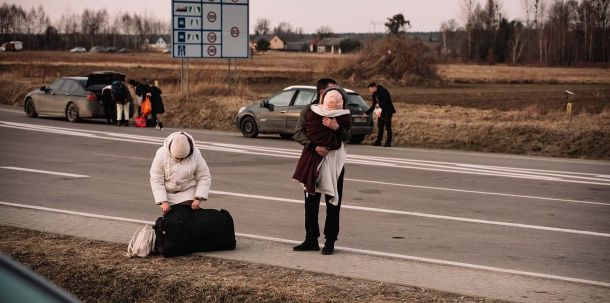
(503, 109)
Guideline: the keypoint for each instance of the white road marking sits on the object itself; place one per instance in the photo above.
(44, 172)
(354, 250)
(120, 156)
(439, 166)
(424, 215)
(477, 192)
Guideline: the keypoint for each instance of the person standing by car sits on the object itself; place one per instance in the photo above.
(140, 90)
(312, 200)
(122, 98)
(109, 105)
(179, 174)
(381, 96)
(156, 104)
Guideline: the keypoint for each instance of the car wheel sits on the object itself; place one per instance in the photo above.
(30, 109)
(356, 139)
(72, 113)
(286, 136)
(248, 127)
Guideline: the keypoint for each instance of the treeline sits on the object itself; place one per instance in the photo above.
(556, 32)
(89, 28)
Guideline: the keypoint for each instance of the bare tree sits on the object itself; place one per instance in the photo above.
(468, 7)
(324, 31)
(516, 42)
(262, 27)
(283, 30)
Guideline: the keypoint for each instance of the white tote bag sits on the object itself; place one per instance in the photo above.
(142, 242)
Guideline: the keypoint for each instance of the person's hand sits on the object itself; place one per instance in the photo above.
(165, 207)
(195, 204)
(364, 115)
(330, 123)
(322, 151)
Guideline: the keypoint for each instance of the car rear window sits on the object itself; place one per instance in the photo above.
(103, 79)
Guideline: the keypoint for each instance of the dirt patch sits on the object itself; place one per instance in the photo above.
(96, 271)
(397, 59)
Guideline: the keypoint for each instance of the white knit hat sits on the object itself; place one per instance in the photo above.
(180, 147)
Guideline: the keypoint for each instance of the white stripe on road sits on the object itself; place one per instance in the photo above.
(354, 250)
(437, 166)
(424, 215)
(477, 192)
(44, 172)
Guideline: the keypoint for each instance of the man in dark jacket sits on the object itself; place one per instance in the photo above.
(381, 96)
(312, 201)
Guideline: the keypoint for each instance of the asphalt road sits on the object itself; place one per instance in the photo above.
(530, 214)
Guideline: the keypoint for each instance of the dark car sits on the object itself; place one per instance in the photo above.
(20, 284)
(72, 97)
(279, 114)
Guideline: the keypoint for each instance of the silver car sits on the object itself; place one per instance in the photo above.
(71, 97)
(279, 114)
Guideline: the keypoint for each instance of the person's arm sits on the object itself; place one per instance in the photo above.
(157, 179)
(372, 108)
(342, 129)
(299, 130)
(202, 176)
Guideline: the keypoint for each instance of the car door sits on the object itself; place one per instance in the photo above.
(45, 102)
(65, 95)
(303, 98)
(272, 117)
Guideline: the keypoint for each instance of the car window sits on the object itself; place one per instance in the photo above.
(282, 99)
(355, 102)
(69, 86)
(56, 85)
(304, 97)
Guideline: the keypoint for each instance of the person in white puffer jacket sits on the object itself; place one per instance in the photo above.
(179, 174)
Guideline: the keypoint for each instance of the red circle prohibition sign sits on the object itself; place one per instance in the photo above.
(212, 16)
(212, 50)
(234, 31)
(212, 37)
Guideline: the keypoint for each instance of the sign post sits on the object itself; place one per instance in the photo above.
(208, 29)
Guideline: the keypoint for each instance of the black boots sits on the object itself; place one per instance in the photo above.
(307, 245)
(329, 248)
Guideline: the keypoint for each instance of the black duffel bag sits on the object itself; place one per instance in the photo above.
(184, 230)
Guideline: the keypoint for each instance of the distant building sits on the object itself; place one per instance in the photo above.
(160, 43)
(299, 46)
(330, 45)
(275, 42)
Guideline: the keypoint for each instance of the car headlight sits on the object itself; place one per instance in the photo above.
(241, 109)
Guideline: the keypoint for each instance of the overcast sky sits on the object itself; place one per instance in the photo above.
(340, 15)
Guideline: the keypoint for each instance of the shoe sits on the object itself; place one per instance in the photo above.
(387, 145)
(307, 246)
(376, 143)
(329, 248)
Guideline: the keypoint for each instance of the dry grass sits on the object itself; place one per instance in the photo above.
(96, 271)
(531, 132)
(491, 117)
(518, 74)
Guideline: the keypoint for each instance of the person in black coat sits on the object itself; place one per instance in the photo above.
(381, 96)
(156, 103)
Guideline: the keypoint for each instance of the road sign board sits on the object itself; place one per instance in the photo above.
(210, 29)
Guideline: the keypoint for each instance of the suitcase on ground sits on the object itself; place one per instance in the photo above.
(184, 231)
